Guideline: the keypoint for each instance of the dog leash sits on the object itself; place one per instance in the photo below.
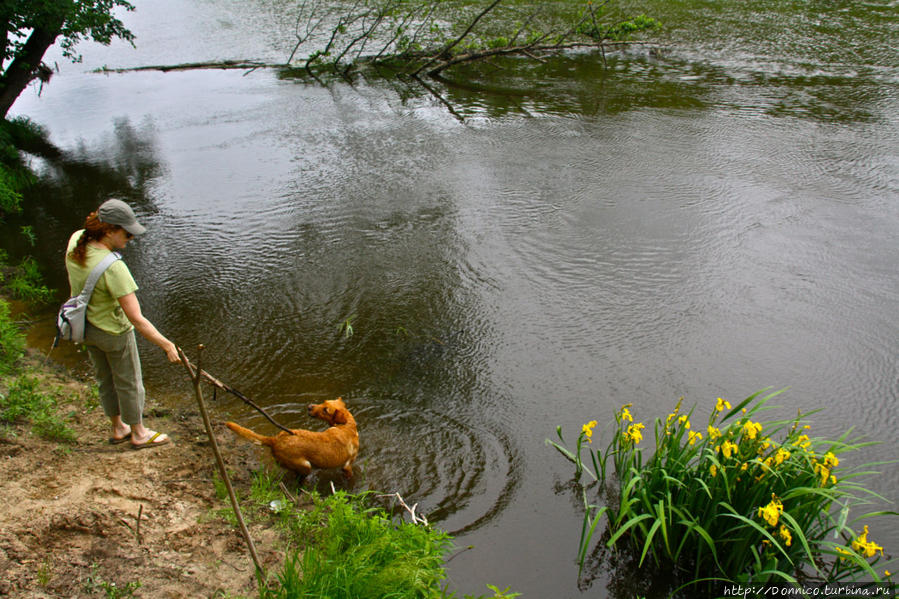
(217, 384)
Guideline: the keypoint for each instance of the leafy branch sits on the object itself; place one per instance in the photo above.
(426, 37)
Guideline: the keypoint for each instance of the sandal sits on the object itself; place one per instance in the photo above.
(117, 440)
(113, 440)
(151, 442)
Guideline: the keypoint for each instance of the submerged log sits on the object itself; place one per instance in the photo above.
(189, 66)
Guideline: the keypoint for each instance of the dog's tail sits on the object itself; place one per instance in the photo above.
(248, 434)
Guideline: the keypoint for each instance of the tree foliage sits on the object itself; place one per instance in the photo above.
(31, 27)
(425, 37)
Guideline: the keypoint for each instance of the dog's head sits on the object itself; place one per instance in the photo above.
(332, 411)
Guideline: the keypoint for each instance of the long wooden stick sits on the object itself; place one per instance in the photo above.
(227, 388)
(195, 378)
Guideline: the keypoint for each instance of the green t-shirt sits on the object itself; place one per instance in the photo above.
(103, 311)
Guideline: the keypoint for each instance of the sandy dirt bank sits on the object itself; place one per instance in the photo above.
(78, 518)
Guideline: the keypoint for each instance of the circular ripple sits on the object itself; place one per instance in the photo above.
(460, 474)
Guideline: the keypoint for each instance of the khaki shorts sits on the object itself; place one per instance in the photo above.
(117, 368)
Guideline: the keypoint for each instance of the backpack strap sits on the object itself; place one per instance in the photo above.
(96, 273)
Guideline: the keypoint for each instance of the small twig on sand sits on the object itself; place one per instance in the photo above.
(289, 495)
(140, 512)
(136, 530)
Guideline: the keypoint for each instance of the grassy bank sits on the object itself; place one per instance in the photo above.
(348, 546)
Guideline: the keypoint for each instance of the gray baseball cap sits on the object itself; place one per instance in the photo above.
(117, 212)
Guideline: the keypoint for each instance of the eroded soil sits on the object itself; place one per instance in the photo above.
(77, 518)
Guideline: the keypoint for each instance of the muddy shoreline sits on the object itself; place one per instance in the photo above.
(78, 518)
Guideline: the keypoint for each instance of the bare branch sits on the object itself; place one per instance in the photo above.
(459, 39)
(342, 23)
(415, 519)
(524, 25)
(525, 50)
(400, 29)
(421, 27)
(365, 33)
(440, 98)
(311, 25)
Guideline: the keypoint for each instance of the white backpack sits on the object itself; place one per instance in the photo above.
(72, 317)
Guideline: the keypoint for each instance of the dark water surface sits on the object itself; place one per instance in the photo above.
(704, 220)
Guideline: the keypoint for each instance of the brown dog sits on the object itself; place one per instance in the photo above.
(304, 450)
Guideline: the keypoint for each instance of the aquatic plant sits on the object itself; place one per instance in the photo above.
(346, 326)
(738, 501)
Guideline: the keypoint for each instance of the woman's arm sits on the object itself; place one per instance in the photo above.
(131, 307)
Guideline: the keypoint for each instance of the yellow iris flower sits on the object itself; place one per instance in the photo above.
(722, 404)
(752, 429)
(771, 512)
(781, 456)
(863, 545)
(634, 434)
(823, 469)
(728, 448)
(785, 535)
(803, 442)
(587, 429)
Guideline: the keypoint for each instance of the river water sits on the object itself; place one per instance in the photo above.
(702, 220)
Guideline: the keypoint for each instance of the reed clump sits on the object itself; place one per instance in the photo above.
(733, 500)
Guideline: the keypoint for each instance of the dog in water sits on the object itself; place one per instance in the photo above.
(304, 450)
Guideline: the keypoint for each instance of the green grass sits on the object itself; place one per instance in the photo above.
(25, 282)
(26, 402)
(12, 341)
(344, 546)
(361, 553)
(94, 585)
(733, 500)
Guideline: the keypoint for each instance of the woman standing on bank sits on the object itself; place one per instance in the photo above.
(113, 314)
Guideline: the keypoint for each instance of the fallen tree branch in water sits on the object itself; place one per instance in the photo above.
(416, 519)
(252, 65)
(189, 66)
(425, 37)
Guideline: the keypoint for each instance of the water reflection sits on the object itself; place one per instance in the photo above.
(584, 85)
(71, 182)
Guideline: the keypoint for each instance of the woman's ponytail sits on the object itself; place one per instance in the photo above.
(94, 230)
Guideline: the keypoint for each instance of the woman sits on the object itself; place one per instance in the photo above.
(112, 316)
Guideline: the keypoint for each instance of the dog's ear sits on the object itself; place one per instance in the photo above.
(340, 417)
